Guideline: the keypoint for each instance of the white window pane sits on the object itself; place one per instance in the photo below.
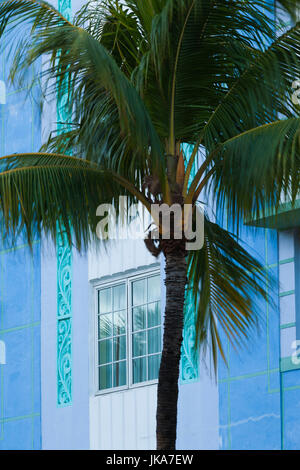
(145, 335)
(105, 301)
(153, 288)
(154, 341)
(153, 367)
(119, 348)
(119, 297)
(119, 369)
(105, 325)
(120, 323)
(139, 370)
(139, 292)
(105, 351)
(139, 318)
(154, 315)
(105, 377)
(139, 344)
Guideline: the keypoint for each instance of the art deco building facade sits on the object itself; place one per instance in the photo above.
(80, 335)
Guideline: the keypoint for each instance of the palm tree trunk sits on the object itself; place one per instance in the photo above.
(167, 394)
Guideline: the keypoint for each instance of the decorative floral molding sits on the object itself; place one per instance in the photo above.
(64, 320)
(189, 366)
(65, 8)
(64, 272)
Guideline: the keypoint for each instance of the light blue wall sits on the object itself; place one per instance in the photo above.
(20, 394)
(291, 410)
(249, 389)
(20, 398)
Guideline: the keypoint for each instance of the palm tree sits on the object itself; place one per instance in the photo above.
(141, 78)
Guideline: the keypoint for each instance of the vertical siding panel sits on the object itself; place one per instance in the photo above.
(152, 392)
(117, 421)
(142, 405)
(124, 420)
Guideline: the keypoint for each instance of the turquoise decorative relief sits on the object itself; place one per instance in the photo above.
(64, 320)
(64, 271)
(189, 365)
(65, 8)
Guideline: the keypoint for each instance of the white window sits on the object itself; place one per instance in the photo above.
(128, 332)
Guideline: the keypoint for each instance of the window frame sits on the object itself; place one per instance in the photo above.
(127, 279)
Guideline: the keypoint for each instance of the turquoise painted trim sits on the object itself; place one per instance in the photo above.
(65, 7)
(64, 320)
(287, 325)
(17, 418)
(286, 364)
(284, 294)
(287, 261)
(21, 327)
(189, 364)
(64, 269)
(248, 376)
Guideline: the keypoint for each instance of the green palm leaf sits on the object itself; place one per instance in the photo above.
(37, 190)
(227, 285)
(141, 78)
(78, 59)
(254, 169)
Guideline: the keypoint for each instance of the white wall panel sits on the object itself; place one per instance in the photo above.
(124, 420)
(119, 256)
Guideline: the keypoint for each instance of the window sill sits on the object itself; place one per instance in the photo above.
(125, 388)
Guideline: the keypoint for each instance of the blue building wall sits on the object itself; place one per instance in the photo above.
(290, 419)
(249, 388)
(20, 394)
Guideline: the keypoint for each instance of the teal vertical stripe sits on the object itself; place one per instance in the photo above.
(64, 273)
(64, 320)
(189, 365)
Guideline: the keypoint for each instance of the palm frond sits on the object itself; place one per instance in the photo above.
(256, 168)
(77, 59)
(227, 284)
(39, 190)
